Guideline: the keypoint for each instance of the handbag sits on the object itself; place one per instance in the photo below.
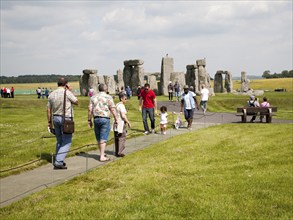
(68, 124)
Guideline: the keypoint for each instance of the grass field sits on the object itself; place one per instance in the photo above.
(242, 172)
(262, 84)
(24, 135)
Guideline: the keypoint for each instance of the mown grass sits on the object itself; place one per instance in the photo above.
(24, 135)
(242, 172)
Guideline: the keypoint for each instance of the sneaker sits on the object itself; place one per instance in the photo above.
(164, 132)
(153, 131)
(146, 132)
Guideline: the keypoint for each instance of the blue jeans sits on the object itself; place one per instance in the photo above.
(150, 112)
(102, 129)
(63, 140)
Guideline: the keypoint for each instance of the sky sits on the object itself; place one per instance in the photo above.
(66, 37)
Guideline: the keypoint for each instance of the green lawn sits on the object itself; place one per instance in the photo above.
(242, 172)
(24, 135)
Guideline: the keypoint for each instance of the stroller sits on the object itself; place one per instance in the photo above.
(178, 122)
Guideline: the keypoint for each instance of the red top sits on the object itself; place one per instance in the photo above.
(148, 98)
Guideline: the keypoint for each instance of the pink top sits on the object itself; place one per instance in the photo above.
(265, 104)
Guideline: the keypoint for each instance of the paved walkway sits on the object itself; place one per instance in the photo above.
(16, 187)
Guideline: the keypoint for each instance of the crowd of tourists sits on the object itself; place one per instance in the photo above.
(102, 107)
(7, 92)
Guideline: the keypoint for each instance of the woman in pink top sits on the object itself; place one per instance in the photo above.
(264, 104)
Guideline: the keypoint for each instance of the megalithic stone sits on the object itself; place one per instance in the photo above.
(167, 67)
(228, 81)
(88, 80)
(152, 80)
(244, 82)
(218, 82)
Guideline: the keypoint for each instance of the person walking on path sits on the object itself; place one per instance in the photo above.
(148, 106)
(188, 102)
(101, 106)
(55, 108)
(122, 121)
(170, 91)
(163, 119)
(204, 97)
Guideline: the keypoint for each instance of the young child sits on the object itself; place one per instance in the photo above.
(163, 119)
(178, 122)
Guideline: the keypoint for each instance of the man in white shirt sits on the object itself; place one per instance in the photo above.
(204, 97)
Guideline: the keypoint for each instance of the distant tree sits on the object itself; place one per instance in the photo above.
(266, 74)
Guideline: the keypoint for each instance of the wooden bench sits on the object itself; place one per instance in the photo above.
(269, 112)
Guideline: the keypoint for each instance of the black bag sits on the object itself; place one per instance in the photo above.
(68, 127)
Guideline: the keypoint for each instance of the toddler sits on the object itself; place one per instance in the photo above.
(163, 119)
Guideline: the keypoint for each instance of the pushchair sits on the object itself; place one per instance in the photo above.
(178, 122)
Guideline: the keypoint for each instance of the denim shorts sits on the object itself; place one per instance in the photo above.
(102, 129)
(188, 113)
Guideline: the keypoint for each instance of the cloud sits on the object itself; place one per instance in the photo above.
(249, 36)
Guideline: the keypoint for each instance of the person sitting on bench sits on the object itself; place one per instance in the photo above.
(253, 102)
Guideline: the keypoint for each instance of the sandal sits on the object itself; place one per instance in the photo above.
(107, 159)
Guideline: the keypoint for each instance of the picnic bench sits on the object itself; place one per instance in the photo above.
(268, 112)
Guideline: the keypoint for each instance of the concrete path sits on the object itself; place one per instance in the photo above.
(16, 187)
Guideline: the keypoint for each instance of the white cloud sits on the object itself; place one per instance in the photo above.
(249, 36)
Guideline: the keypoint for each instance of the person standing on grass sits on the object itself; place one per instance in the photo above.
(12, 92)
(120, 131)
(55, 110)
(188, 102)
(148, 106)
(138, 90)
(100, 108)
(204, 97)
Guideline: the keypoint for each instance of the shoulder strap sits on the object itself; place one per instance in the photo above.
(64, 103)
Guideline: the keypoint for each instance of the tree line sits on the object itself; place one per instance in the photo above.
(284, 74)
(36, 78)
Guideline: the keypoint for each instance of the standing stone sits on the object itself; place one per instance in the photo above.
(110, 82)
(167, 67)
(179, 77)
(137, 78)
(244, 82)
(152, 80)
(120, 81)
(133, 73)
(127, 74)
(218, 82)
(88, 80)
(191, 77)
(228, 81)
